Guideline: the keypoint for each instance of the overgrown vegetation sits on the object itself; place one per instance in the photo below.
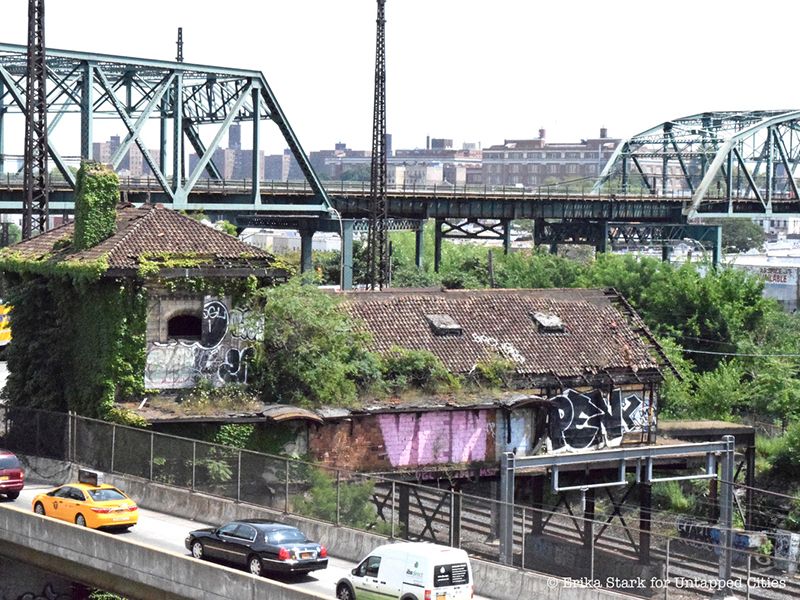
(356, 508)
(78, 339)
(96, 199)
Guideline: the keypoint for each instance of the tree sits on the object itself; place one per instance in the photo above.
(14, 233)
(740, 235)
(357, 173)
(312, 353)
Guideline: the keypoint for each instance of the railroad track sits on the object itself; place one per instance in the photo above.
(476, 536)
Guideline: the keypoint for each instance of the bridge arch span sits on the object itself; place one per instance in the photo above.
(734, 163)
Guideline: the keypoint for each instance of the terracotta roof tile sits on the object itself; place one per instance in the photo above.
(599, 334)
(150, 229)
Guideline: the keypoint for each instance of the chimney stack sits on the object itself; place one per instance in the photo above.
(603, 133)
(541, 133)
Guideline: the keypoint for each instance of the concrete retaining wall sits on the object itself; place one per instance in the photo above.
(128, 568)
(491, 580)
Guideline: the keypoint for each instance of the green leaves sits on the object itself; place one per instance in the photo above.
(96, 198)
(312, 353)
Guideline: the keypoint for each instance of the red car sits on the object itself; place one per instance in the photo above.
(12, 477)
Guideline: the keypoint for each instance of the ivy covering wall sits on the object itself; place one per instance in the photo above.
(75, 347)
(78, 337)
(96, 199)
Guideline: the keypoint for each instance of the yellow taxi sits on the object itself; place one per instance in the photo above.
(88, 505)
(5, 324)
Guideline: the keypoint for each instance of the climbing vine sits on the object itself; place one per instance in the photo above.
(79, 337)
(96, 198)
(76, 347)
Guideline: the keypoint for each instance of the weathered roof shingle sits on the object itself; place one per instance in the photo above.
(144, 232)
(600, 334)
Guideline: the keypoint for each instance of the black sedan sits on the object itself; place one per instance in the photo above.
(260, 545)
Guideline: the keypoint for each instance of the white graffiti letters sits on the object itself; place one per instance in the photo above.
(221, 356)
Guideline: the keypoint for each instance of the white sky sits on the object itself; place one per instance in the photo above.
(471, 70)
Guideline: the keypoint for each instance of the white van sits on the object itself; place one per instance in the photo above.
(410, 571)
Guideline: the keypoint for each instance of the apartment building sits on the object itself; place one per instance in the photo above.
(536, 162)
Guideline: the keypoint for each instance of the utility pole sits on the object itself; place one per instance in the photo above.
(35, 210)
(377, 247)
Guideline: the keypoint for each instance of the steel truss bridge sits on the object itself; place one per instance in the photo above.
(715, 164)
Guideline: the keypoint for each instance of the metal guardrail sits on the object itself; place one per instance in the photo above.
(56, 182)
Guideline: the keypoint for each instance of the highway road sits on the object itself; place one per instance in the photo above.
(168, 533)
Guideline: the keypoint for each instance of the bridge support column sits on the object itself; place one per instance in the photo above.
(306, 237)
(666, 253)
(420, 244)
(602, 244)
(437, 245)
(177, 134)
(506, 236)
(347, 255)
(716, 250)
(163, 136)
(255, 164)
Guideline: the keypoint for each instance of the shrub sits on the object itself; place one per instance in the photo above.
(402, 368)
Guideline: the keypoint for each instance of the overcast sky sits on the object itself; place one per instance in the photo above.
(471, 70)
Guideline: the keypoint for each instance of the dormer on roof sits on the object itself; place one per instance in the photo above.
(443, 325)
(548, 322)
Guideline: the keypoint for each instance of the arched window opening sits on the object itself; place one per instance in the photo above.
(185, 327)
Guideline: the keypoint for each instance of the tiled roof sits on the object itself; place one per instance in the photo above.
(600, 334)
(148, 230)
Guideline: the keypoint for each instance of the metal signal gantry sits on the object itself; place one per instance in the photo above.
(377, 244)
(724, 163)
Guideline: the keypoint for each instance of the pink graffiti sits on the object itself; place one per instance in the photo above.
(434, 438)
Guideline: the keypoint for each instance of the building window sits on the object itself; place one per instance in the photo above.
(554, 155)
(185, 327)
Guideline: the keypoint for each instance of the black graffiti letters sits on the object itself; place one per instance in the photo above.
(578, 421)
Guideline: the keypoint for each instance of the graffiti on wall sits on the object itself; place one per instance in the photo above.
(787, 551)
(415, 439)
(505, 349)
(221, 356)
(579, 421)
